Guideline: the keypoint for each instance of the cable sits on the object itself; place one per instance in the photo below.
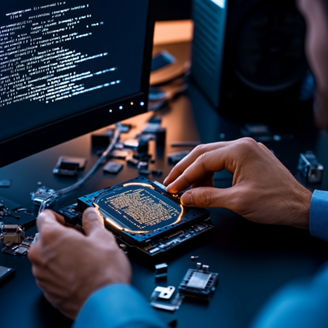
(54, 195)
(100, 161)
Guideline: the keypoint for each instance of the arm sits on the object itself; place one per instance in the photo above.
(117, 306)
(299, 305)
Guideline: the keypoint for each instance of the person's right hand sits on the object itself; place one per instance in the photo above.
(263, 190)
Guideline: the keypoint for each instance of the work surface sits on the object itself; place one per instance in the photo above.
(254, 261)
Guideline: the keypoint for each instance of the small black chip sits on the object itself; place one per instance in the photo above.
(113, 168)
(5, 273)
(69, 166)
(199, 283)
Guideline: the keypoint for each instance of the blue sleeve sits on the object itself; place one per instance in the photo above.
(302, 306)
(318, 219)
(117, 306)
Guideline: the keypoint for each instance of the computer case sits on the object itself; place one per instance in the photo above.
(248, 58)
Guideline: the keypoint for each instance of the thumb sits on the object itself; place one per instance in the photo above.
(92, 221)
(207, 197)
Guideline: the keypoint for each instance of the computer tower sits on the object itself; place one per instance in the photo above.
(248, 58)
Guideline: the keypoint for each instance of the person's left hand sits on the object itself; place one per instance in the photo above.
(69, 266)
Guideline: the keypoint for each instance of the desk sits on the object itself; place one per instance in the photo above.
(254, 261)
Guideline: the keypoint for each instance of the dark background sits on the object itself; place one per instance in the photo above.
(172, 9)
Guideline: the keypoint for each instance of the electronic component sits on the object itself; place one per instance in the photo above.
(11, 234)
(102, 140)
(13, 213)
(44, 197)
(119, 154)
(6, 212)
(153, 126)
(72, 214)
(157, 131)
(112, 168)
(14, 239)
(161, 271)
(166, 298)
(175, 158)
(133, 162)
(144, 172)
(144, 157)
(157, 173)
(199, 283)
(309, 168)
(5, 273)
(131, 143)
(144, 216)
(143, 165)
(140, 145)
(69, 166)
(20, 248)
(143, 146)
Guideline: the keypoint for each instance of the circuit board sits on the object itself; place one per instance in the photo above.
(142, 214)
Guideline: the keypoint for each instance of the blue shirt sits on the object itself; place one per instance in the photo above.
(117, 306)
(318, 220)
(301, 306)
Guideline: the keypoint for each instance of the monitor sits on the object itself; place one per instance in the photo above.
(68, 67)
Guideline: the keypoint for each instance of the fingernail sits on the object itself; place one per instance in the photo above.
(171, 189)
(186, 199)
(168, 187)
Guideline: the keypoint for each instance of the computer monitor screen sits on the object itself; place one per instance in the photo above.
(68, 67)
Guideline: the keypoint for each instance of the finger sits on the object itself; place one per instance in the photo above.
(206, 164)
(190, 158)
(49, 219)
(34, 254)
(92, 221)
(209, 197)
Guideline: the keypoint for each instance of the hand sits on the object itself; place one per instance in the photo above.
(263, 190)
(69, 266)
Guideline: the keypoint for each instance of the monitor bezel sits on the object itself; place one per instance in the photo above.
(38, 139)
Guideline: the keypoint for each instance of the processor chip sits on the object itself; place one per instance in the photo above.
(139, 210)
(199, 280)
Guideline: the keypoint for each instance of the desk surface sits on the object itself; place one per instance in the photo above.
(254, 261)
